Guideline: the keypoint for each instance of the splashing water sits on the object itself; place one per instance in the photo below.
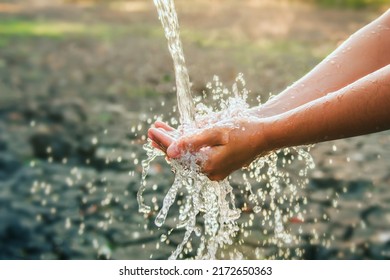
(208, 210)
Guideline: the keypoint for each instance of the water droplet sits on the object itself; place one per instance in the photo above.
(68, 223)
(163, 237)
(257, 209)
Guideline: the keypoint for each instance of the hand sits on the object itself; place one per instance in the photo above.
(227, 146)
(162, 135)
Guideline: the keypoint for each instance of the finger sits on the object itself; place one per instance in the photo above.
(193, 143)
(160, 137)
(157, 146)
(163, 125)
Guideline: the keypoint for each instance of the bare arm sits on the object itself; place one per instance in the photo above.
(360, 108)
(364, 52)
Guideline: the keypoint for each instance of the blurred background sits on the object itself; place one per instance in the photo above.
(81, 82)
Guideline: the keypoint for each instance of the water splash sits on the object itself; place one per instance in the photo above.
(209, 209)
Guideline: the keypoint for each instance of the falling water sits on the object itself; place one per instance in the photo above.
(168, 16)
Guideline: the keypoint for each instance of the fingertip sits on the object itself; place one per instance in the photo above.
(151, 133)
(158, 123)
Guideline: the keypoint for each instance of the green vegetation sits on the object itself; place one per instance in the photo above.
(24, 28)
(21, 28)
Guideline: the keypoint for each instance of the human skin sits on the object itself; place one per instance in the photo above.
(347, 94)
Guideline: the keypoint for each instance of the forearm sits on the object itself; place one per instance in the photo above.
(364, 52)
(360, 108)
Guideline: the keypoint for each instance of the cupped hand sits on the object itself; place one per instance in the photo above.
(226, 146)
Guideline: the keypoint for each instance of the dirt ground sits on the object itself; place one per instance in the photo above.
(81, 83)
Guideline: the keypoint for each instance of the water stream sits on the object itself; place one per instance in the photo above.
(168, 17)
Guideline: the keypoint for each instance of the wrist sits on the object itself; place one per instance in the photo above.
(260, 138)
(275, 133)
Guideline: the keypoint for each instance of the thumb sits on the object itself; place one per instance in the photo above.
(194, 142)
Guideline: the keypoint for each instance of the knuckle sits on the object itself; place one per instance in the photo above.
(222, 136)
